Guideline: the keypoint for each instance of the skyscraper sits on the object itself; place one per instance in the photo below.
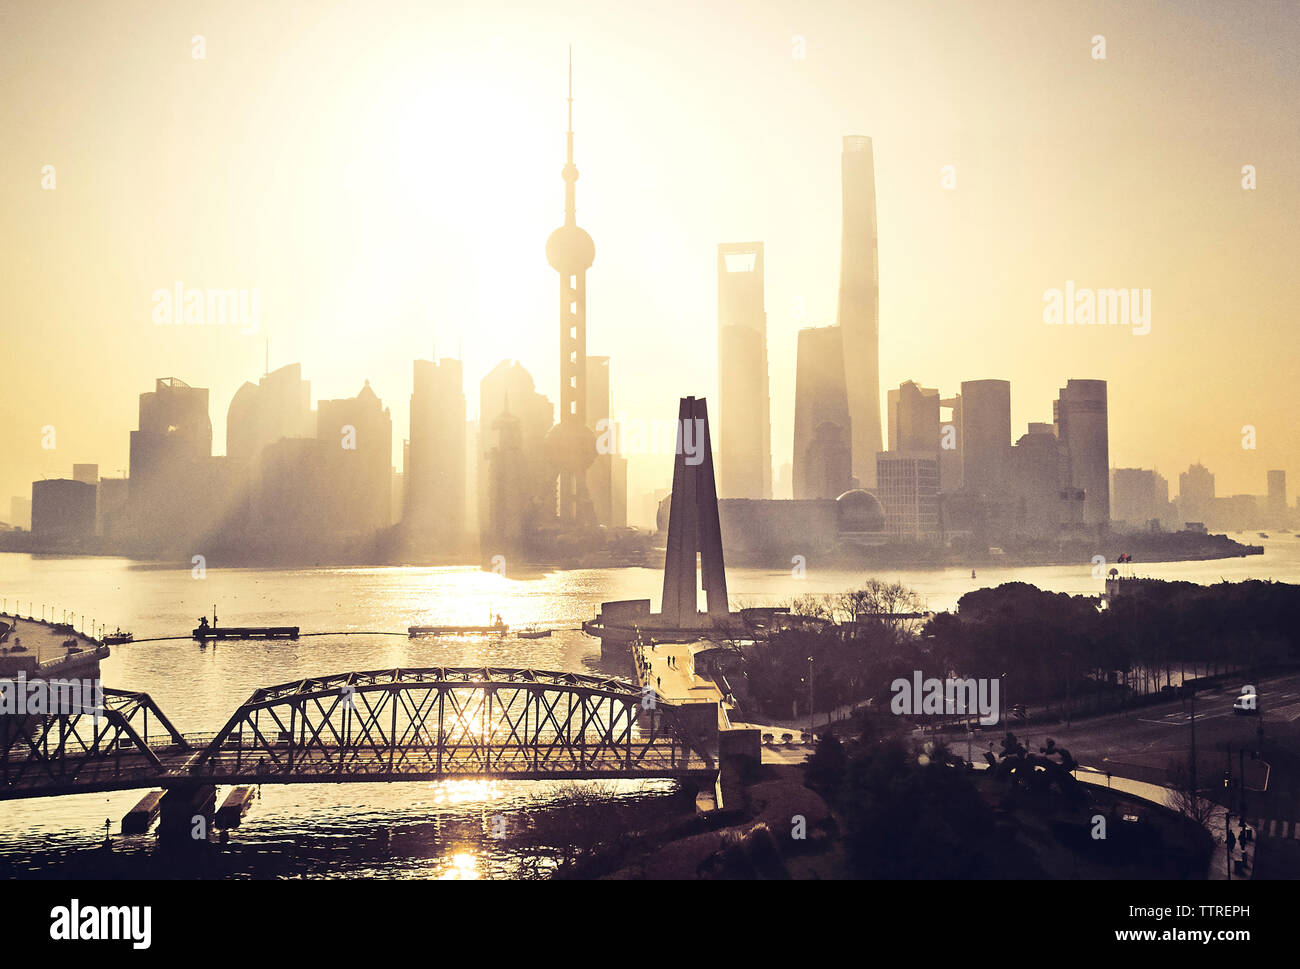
(859, 303)
(607, 476)
(744, 417)
(357, 438)
(913, 418)
(435, 469)
(1277, 514)
(508, 389)
(277, 406)
(1081, 427)
(823, 442)
(950, 445)
(570, 251)
(985, 434)
(170, 464)
(1138, 495)
(1196, 494)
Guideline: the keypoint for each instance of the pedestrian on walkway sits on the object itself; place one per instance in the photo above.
(1232, 841)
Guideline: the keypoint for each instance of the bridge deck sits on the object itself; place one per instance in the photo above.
(405, 724)
(352, 764)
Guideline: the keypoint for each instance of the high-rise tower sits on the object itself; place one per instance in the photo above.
(1081, 426)
(985, 434)
(571, 446)
(746, 429)
(823, 448)
(859, 305)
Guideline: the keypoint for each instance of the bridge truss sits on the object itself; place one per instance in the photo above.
(84, 745)
(439, 722)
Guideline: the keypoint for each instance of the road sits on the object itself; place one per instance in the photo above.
(1143, 744)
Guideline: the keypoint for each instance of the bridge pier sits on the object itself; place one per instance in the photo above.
(187, 812)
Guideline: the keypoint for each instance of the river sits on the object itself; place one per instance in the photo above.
(401, 830)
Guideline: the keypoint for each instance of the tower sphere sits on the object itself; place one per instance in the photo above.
(570, 249)
(570, 447)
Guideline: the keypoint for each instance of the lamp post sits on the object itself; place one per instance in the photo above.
(812, 736)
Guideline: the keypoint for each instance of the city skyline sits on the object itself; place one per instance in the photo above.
(358, 320)
(902, 495)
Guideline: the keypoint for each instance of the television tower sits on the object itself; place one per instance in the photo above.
(571, 445)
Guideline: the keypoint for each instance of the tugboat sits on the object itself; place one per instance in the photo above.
(532, 632)
(118, 638)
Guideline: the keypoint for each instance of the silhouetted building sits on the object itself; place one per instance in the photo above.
(435, 459)
(172, 501)
(357, 434)
(1277, 510)
(1138, 497)
(571, 445)
(823, 456)
(508, 389)
(1035, 485)
(1196, 494)
(509, 501)
(111, 509)
(951, 476)
(913, 418)
(859, 303)
(1237, 513)
(985, 435)
(1081, 427)
(278, 405)
(63, 512)
(607, 476)
(907, 486)
(744, 417)
(296, 506)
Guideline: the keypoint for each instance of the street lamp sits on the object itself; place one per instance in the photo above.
(812, 736)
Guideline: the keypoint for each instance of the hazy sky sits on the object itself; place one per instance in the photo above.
(386, 174)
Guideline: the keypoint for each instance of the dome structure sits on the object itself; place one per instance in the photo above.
(860, 511)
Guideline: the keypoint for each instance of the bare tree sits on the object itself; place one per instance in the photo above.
(1187, 801)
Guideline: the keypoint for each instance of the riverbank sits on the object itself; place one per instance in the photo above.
(643, 551)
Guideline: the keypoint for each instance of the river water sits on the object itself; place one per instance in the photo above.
(401, 830)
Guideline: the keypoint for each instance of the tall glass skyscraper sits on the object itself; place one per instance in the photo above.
(859, 303)
(745, 428)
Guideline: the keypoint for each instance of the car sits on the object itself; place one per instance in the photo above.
(1246, 704)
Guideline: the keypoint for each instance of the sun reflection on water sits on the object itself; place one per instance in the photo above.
(461, 866)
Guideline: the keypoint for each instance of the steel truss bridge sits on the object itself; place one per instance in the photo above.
(413, 724)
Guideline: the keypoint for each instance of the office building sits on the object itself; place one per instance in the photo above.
(823, 442)
(744, 417)
(858, 314)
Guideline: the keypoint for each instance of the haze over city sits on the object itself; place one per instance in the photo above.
(753, 442)
(386, 184)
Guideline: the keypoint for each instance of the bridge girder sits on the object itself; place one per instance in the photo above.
(430, 722)
(54, 748)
